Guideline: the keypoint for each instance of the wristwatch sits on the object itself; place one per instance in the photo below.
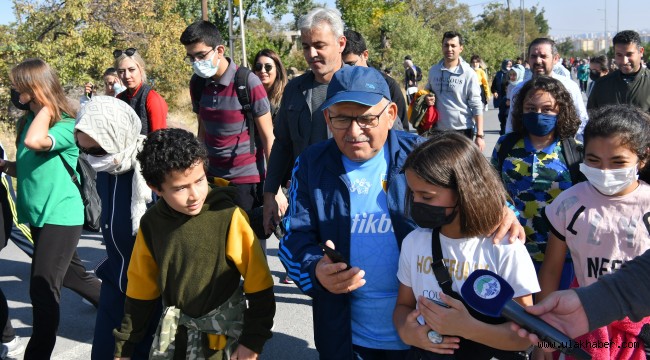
(482, 136)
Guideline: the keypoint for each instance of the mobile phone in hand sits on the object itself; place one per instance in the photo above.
(90, 94)
(440, 303)
(335, 256)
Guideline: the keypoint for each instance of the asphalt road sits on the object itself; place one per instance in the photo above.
(292, 335)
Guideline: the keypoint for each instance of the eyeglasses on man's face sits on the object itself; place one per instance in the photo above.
(352, 63)
(198, 56)
(365, 121)
(128, 52)
(259, 66)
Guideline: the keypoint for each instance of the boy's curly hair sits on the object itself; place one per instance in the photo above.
(168, 150)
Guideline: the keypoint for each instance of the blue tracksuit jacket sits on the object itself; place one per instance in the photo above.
(319, 210)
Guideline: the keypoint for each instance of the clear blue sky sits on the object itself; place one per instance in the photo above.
(565, 17)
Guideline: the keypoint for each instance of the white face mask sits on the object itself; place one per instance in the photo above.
(204, 68)
(104, 163)
(118, 88)
(610, 182)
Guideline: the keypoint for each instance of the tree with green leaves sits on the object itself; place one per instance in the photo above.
(77, 38)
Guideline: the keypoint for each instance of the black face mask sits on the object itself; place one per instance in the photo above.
(15, 99)
(431, 217)
(594, 75)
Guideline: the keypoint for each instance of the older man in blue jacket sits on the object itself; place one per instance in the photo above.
(348, 192)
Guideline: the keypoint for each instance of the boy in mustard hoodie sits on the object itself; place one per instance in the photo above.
(192, 248)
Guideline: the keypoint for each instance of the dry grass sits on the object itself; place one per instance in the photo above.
(183, 117)
(8, 139)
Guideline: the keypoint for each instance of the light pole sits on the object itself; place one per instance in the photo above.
(523, 30)
(605, 32)
(618, 8)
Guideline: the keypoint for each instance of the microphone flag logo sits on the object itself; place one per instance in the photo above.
(487, 287)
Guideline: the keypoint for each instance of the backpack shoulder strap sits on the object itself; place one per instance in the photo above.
(506, 145)
(244, 96)
(73, 176)
(438, 266)
(573, 154)
(197, 84)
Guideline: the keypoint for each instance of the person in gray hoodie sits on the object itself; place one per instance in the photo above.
(457, 90)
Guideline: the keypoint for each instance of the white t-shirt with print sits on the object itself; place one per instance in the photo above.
(462, 256)
(602, 232)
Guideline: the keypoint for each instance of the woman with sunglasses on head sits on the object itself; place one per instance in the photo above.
(47, 197)
(147, 103)
(108, 135)
(269, 68)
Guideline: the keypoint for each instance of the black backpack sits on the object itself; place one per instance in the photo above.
(573, 154)
(87, 186)
(243, 95)
(418, 73)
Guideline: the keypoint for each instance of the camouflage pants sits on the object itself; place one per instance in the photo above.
(227, 319)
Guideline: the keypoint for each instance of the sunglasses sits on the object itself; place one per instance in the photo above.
(258, 67)
(95, 151)
(128, 52)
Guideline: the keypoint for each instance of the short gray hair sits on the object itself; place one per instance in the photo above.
(320, 15)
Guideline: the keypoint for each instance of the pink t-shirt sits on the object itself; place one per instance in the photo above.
(601, 231)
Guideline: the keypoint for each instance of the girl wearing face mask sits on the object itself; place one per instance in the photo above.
(147, 103)
(108, 135)
(47, 197)
(112, 86)
(534, 169)
(453, 194)
(604, 222)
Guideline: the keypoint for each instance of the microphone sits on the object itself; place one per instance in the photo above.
(489, 294)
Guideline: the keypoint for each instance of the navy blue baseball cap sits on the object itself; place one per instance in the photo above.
(357, 84)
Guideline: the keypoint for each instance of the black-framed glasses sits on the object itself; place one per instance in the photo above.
(259, 66)
(352, 63)
(128, 52)
(94, 151)
(197, 57)
(365, 121)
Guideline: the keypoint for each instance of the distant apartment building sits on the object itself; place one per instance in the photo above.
(596, 43)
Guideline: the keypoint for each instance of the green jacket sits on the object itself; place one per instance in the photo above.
(613, 90)
(195, 264)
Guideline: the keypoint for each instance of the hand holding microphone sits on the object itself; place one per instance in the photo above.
(563, 310)
(490, 294)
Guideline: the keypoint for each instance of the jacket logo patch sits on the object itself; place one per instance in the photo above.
(360, 186)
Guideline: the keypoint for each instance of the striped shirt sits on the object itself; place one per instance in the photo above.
(226, 133)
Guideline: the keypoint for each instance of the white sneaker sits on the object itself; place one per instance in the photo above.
(14, 347)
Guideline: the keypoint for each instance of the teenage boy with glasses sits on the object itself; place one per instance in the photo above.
(222, 123)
